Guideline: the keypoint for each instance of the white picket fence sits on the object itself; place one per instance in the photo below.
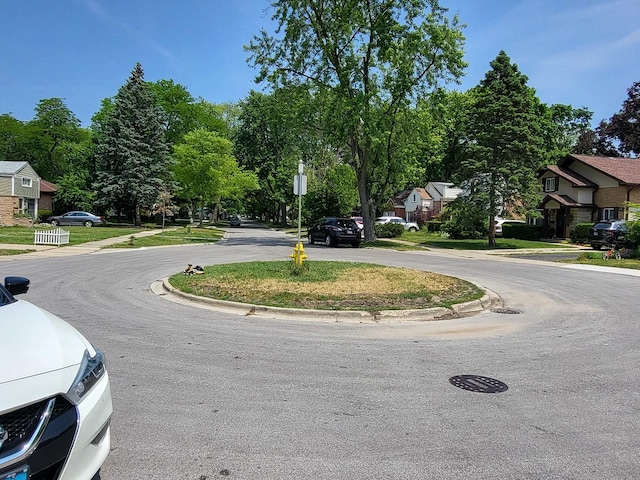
(57, 237)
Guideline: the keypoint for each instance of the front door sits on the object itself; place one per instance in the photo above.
(561, 221)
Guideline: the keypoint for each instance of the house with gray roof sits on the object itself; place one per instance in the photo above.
(585, 188)
(19, 193)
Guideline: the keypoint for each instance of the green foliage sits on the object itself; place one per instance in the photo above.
(14, 139)
(434, 225)
(74, 192)
(506, 128)
(625, 125)
(207, 171)
(388, 230)
(447, 115)
(521, 231)
(464, 219)
(181, 113)
(566, 125)
(132, 156)
(268, 142)
(298, 270)
(580, 232)
(365, 63)
(634, 225)
(52, 128)
(333, 194)
(43, 215)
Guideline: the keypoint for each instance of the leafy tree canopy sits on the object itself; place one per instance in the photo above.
(625, 125)
(207, 170)
(367, 61)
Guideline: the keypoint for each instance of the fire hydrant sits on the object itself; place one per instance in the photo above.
(298, 254)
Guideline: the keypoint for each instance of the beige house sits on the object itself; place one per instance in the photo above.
(584, 188)
(19, 193)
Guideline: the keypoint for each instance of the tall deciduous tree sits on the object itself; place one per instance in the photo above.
(53, 127)
(13, 138)
(625, 125)
(567, 125)
(207, 171)
(596, 142)
(133, 162)
(266, 143)
(367, 60)
(506, 128)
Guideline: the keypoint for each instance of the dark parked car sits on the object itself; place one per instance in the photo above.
(608, 232)
(235, 221)
(76, 218)
(333, 231)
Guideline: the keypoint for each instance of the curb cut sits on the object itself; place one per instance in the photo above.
(162, 287)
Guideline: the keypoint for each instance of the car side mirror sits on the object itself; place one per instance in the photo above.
(16, 285)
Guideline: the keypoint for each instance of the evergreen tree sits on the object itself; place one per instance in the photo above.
(133, 162)
(506, 127)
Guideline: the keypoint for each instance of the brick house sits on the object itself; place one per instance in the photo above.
(585, 188)
(47, 193)
(19, 193)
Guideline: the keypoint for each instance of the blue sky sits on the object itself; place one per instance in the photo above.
(577, 52)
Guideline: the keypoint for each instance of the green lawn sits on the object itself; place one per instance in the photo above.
(595, 258)
(327, 285)
(179, 236)
(77, 235)
(434, 239)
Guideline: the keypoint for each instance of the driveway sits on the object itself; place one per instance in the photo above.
(200, 394)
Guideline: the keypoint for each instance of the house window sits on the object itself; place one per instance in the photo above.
(609, 213)
(26, 182)
(550, 184)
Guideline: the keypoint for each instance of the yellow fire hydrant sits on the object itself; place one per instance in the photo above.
(298, 254)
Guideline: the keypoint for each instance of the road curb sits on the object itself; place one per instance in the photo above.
(164, 288)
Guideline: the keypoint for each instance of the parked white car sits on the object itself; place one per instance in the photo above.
(409, 226)
(55, 398)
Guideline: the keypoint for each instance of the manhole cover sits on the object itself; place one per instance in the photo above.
(505, 310)
(478, 383)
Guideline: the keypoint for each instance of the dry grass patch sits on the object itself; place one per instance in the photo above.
(328, 286)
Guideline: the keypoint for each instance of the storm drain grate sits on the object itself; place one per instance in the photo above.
(478, 384)
(505, 310)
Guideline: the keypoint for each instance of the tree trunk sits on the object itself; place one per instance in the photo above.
(138, 219)
(492, 213)
(201, 219)
(360, 158)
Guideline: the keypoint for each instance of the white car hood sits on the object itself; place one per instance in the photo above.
(34, 342)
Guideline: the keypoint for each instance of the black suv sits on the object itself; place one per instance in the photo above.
(608, 232)
(333, 231)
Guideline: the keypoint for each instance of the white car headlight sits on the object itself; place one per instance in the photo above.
(91, 370)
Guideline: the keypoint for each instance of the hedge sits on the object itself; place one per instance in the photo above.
(521, 231)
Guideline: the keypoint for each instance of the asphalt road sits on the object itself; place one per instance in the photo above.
(200, 394)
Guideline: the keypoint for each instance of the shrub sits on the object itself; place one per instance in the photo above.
(465, 220)
(580, 233)
(434, 225)
(521, 231)
(43, 215)
(388, 230)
